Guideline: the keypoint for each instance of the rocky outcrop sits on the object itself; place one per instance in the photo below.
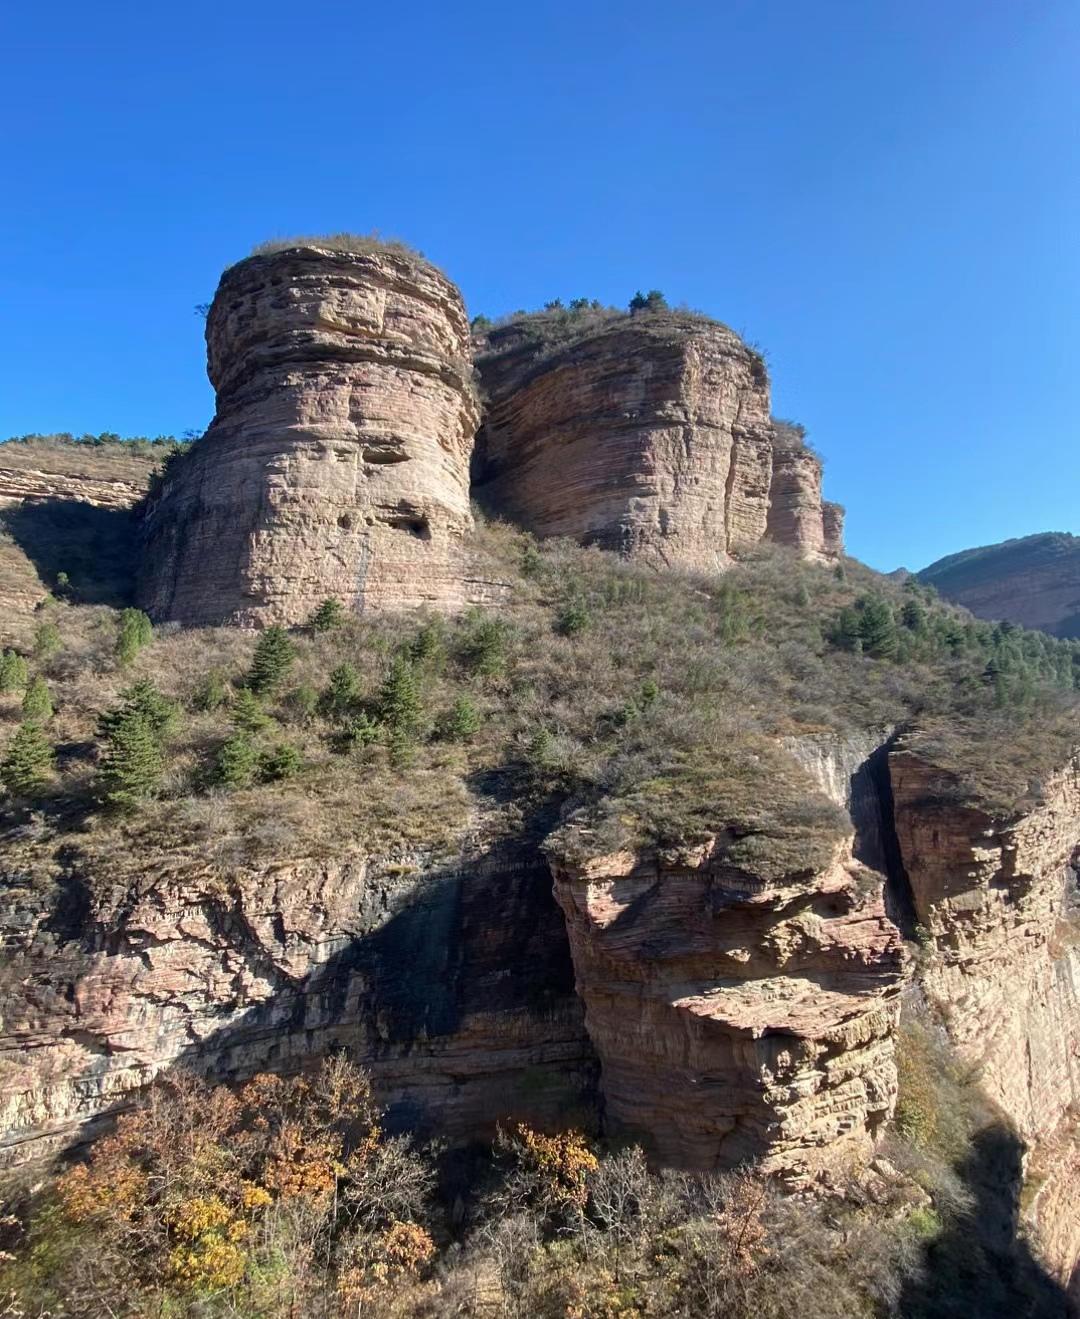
(999, 904)
(797, 514)
(21, 485)
(448, 979)
(337, 463)
(648, 435)
(1034, 581)
(736, 1018)
(832, 519)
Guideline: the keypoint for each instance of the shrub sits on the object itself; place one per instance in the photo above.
(483, 645)
(283, 761)
(135, 633)
(236, 762)
(461, 722)
(28, 762)
(302, 703)
(572, 618)
(341, 694)
(329, 615)
(247, 714)
(212, 693)
(14, 672)
(273, 658)
(37, 703)
(47, 641)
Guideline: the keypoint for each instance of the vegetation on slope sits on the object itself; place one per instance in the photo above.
(649, 705)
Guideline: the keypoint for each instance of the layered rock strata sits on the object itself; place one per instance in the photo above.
(337, 464)
(651, 436)
(449, 980)
(998, 900)
(736, 1019)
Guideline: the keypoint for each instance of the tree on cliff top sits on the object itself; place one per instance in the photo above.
(654, 300)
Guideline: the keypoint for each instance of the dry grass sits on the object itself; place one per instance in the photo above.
(122, 460)
(343, 242)
(654, 718)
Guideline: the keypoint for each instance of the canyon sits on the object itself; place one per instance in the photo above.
(701, 996)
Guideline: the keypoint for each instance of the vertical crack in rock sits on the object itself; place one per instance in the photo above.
(337, 463)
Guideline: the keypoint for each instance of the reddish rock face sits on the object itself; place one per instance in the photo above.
(650, 436)
(451, 985)
(733, 1019)
(337, 464)
(1001, 907)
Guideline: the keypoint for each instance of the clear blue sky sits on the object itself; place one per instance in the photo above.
(883, 194)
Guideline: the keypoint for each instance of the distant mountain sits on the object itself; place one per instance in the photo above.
(1034, 580)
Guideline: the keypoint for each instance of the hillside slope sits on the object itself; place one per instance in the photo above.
(1034, 581)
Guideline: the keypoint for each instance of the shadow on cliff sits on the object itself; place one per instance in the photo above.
(96, 547)
(980, 1265)
(459, 998)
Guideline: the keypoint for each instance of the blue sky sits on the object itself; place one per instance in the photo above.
(883, 194)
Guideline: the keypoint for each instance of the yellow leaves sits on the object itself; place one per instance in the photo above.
(254, 1196)
(389, 1258)
(211, 1256)
(564, 1161)
(107, 1189)
(303, 1163)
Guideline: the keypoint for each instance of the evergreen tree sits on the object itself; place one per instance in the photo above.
(144, 699)
(37, 704)
(648, 694)
(462, 721)
(28, 761)
(213, 692)
(572, 618)
(136, 631)
(484, 647)
(357, 730)
(236, 762)
(877, 629)
(913, 616)
(274, 654)
(329, 615)
(399, 703)
(302, 702)
(283, 761)
(46, 640)
(341, 694)
(14, 672)
(428, 647)
(131, 763)
(247, 715)
(847, 631)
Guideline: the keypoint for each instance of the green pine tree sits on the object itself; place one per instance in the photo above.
(46, 640)
(247, 714)
(28, 762)
(143, 698)
(14, 672)
(340, 696)
(212, 693)
(847, 633)
(283, 761)
(428, 647)
(329, 615)
(131, 761)
(483, 649)
(462, 721)
(236, 762)
(877, 629)
(136, 632)
(274, 654)
(37, 704)
(399, 704)
(572, 618)
(913, 616)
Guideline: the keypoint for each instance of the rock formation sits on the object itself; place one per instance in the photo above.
(649, 435)
(449, 981)
(67, 507)
(737, 1018)
(337, 463)
(1000, 904)
(1034, 581)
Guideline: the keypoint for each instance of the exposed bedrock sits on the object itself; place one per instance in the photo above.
(338, 460)
(449, 980)
(998, 901)
(650, 436)
(735, 1019)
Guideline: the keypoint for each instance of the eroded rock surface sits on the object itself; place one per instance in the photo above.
(337, 464)
(650, 436)
(736, 1019)
(449, 980)
(999, 902)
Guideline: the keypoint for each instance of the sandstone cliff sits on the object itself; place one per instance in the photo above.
(1000, 905)
(1034, 581)
(68, 507)
(448, 979)
(337, 463)
(649, 435)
